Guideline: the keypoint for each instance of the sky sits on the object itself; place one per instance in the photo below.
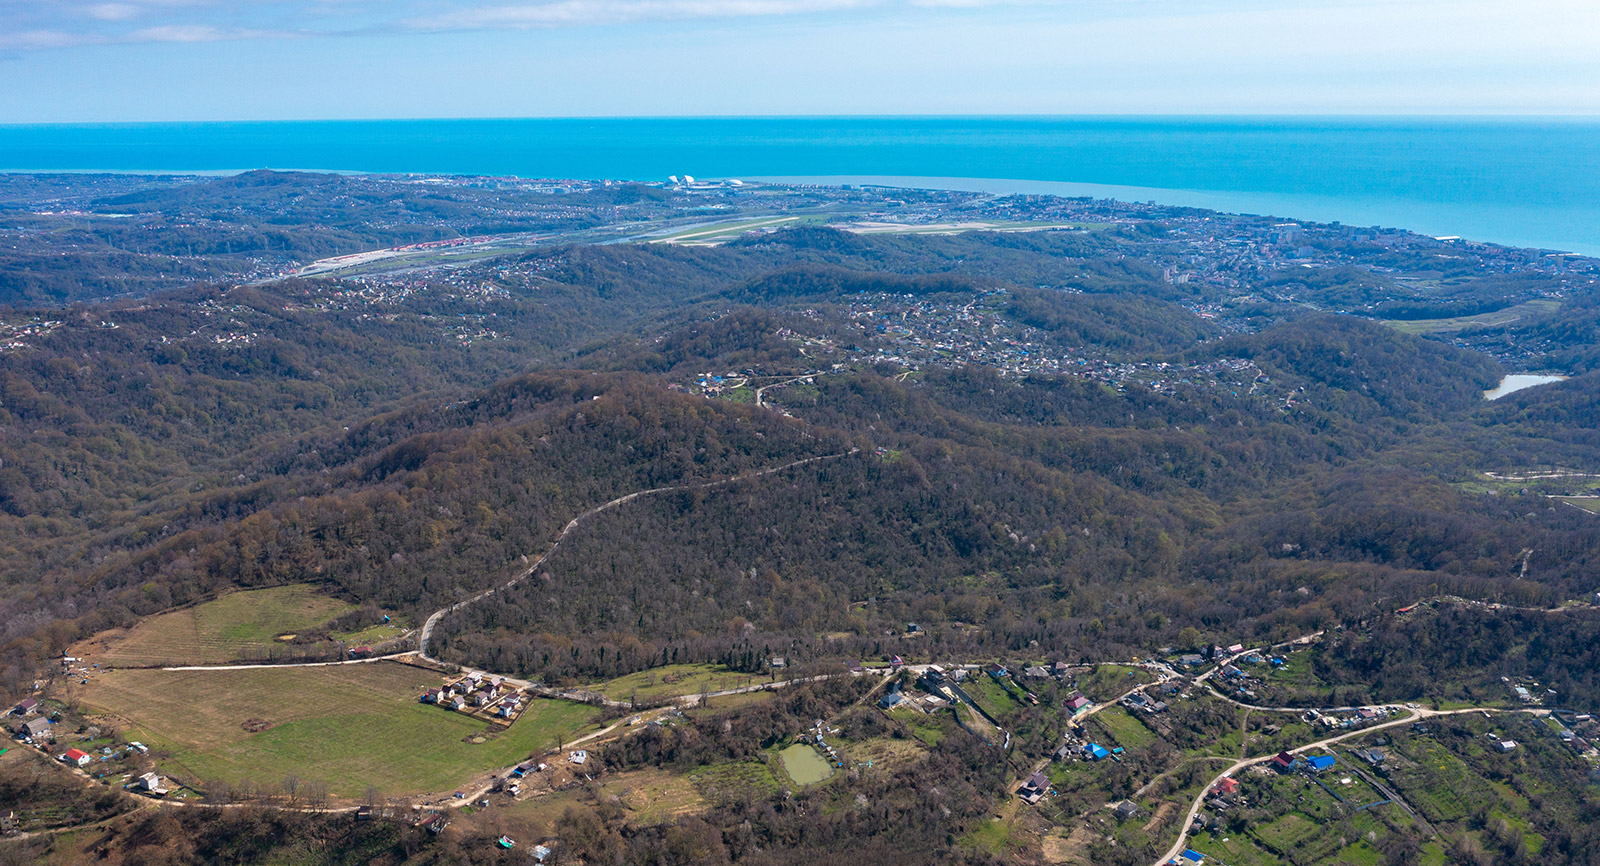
(166, 60)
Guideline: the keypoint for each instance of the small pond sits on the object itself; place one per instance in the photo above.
(805, 764)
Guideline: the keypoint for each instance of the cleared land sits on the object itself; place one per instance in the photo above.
(349, 726)
(653, 796)
(1529, 309)
(674, 681)
(237, 626)
(734, 781)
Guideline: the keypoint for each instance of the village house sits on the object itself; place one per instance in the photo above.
(1033, 790)
(1126, 809)
(1319, 763)
(26, 707)
(150, 783)
(76, 757)
(9, 825)
(1285, 762)
(34, 729)
(1225, 786)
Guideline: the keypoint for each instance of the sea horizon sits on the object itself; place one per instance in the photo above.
(1515, 180)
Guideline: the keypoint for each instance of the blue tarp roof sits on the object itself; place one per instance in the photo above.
(1096, 751)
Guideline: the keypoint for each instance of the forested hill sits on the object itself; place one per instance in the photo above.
(1366, 371)
(1061, 439)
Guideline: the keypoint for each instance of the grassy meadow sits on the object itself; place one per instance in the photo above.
(348, 726)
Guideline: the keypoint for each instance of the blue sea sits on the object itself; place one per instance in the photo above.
(1524, 182)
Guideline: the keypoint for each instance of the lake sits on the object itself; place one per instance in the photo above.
(1517, 382)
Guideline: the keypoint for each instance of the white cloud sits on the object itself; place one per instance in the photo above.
(589, 12)
(179, 33)
(113, 11)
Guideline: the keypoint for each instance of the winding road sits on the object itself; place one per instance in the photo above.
(428, 626)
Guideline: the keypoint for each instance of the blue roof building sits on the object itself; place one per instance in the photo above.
(1095, 751)
(1318, 763)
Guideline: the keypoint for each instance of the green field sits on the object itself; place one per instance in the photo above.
(348, 726)
(931, 730)
(1127, 731)
(1527, 310)
(675, 681)
(995, 699)
(1109, 682)
(238, 626)
(734, 781)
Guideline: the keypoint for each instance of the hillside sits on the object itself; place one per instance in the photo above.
(730, 494)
